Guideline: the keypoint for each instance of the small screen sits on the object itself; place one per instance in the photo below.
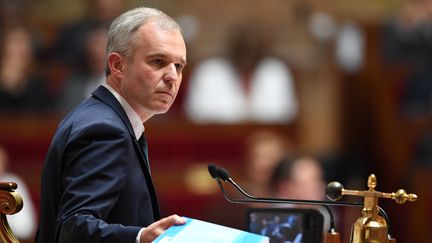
(286, 225)
(280, 227)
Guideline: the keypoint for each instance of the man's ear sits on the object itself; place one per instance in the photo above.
(116, 64)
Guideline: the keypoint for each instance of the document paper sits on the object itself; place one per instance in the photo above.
(204, 232)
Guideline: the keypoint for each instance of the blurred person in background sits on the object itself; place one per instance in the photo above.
(23, 223)
(22, 88)
(263, 150)
(71, 46)
(249, 84)
(83, 81)
(300, 177)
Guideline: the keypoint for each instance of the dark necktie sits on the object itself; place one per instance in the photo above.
(142, 141)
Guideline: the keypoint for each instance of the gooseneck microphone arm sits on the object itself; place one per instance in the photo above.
(224, 175)
(220, 173)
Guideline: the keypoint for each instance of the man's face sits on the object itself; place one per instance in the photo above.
(152, 76)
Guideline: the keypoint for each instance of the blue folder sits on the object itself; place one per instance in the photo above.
(195, 230)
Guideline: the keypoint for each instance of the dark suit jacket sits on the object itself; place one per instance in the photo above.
(95, 183)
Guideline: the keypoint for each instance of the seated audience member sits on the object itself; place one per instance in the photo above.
(263, 150)
(81, 82)
(302, 178)
(298, 178)
(70, 47)
(248, 85)
(23, 223)
(21, 87)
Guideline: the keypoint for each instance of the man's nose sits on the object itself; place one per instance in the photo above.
(171, 73)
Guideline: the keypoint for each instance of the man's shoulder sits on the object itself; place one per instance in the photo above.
(90, 113)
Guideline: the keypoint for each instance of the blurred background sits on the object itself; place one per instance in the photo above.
(348, 83)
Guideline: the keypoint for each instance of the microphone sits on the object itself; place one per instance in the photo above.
(212, 168)
(333, 192)
(221, 173)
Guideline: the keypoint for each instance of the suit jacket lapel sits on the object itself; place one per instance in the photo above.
(105, 96)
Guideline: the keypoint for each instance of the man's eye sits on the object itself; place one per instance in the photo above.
(179, 67)
(157, 62)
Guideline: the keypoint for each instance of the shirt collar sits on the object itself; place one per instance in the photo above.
(134, 119)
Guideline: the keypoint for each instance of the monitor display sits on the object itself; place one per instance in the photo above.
(286, 225)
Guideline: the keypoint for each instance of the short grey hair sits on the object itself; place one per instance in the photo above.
(123, 30)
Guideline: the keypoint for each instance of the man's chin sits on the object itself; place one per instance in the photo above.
(161, 107)
(162, 110)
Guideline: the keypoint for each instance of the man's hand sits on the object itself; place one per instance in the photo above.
(157, 228)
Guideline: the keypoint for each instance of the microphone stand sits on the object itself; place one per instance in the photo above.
(330, 237)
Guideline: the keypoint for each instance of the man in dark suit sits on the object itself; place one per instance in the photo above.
(96, 182)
